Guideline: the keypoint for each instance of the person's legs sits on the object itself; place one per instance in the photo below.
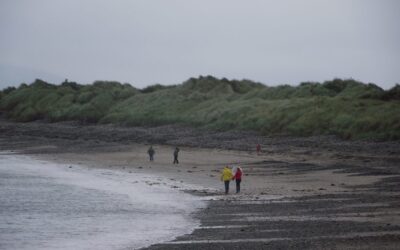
(226, 187)
(238, 186)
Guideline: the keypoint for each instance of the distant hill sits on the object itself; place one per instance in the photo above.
(347, 108)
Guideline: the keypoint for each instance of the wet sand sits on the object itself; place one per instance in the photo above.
(299, 193)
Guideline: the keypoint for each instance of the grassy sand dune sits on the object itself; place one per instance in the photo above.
(347, 108)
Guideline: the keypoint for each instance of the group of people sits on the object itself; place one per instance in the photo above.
(152, 152)
(227, 174)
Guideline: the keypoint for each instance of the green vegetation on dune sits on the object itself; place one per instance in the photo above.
(346, 108)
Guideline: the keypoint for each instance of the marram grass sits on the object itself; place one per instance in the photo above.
(347, 108)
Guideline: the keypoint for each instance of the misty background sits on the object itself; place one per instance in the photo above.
(168, 41)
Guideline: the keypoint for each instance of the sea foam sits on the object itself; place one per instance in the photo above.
(44, 205)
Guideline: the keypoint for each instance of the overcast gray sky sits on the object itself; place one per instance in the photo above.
(167, 41)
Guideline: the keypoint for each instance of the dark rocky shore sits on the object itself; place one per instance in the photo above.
(71, 135)
(331, 221)
(359, 217)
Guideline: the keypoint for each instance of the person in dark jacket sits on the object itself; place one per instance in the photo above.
(238, 178)
(176, 151)
(151, 153)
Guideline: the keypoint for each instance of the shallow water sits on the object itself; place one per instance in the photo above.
(44, 205)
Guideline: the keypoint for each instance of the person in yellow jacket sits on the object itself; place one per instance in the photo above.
(226, 177)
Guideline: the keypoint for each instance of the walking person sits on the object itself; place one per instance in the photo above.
(238, 178)
(176, 151)
(258, 149)
(226, 177)
(151, 153)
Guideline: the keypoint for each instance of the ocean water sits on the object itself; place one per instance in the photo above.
(44, 205)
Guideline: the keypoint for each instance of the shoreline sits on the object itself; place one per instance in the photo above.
(139, 198)
(314, 193)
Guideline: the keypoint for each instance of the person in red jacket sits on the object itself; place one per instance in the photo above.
(258, 149)
(238, 178)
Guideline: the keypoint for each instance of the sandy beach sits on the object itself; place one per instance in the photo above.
(299, 193)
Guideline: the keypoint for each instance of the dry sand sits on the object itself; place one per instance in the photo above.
(203, 167)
